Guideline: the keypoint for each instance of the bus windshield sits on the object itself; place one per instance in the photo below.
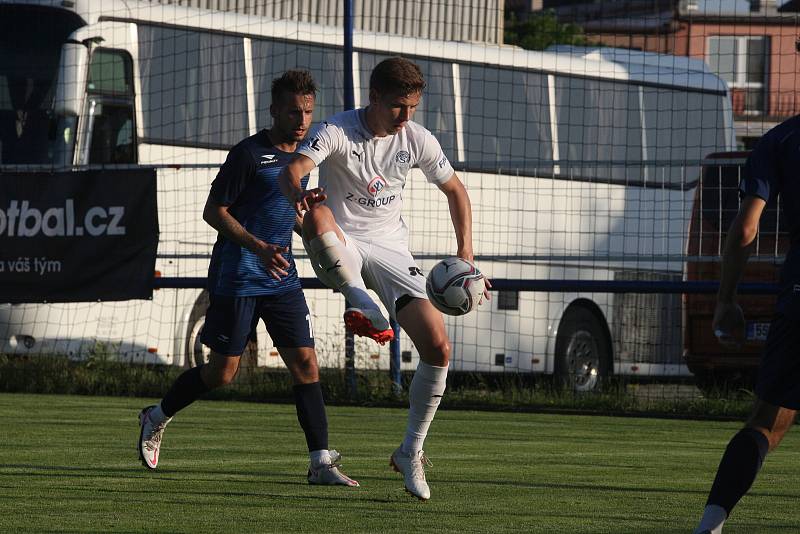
(30, 49)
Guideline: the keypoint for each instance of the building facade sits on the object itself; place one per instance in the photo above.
(449, 20)
(754, 51)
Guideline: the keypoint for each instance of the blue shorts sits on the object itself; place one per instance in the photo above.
(779, 372)
(231, 321)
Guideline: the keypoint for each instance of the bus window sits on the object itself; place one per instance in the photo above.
(711, 118)
(110, 89)
(110, 73)
(29, 59)
(193, 87)
(681, 126)
(597, 122)
(493, 134)
(273, 58)
(112, 135)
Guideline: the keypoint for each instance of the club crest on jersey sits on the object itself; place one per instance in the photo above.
(402, 157)
(376, 186)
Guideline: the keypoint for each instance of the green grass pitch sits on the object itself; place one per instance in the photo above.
(69, 464)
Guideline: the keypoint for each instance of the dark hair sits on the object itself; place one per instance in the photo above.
(397, 75)
(295, 82)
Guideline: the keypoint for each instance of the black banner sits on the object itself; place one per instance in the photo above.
(77, 236)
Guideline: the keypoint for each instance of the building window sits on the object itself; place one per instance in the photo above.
(741, 60)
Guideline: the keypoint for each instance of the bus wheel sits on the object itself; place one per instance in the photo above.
(582, 359)
(196, 352)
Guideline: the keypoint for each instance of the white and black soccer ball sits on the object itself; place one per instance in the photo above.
(455, 286)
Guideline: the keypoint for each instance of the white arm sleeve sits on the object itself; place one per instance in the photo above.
(433, 162)
(321, 142)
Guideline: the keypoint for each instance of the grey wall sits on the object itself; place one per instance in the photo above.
(449, 20)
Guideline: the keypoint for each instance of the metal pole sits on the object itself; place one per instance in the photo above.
(349, 103)
(394, 360)
(349, 96)
(350, 363)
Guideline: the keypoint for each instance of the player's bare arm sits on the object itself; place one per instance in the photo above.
(728, 321)
(461, 215)
(223, 222)
(290, 184)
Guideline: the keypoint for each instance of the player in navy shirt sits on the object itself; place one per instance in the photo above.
(771, 170)
(252, 275)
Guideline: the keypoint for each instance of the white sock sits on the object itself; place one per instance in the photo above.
(341, 269)
(424, 396)
(157, 415)
(714, 517)
(320, 457)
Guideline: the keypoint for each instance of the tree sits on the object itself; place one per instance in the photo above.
(542, 29)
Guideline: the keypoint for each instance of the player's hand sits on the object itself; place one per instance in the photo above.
(273, 260)
(305, 199)
(486, 294)
(728, 324)
(469, 256)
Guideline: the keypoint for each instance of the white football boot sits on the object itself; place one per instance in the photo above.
(150, 438)
(329, 474)
(412, 466)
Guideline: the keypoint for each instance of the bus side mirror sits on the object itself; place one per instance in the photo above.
(71, 83)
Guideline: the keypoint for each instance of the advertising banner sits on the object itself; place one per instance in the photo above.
(77, 236)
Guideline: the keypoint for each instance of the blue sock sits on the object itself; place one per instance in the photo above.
(186, 389)
(311, 414)
(738, 468)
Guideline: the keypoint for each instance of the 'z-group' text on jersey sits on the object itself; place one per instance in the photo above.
(364, 175)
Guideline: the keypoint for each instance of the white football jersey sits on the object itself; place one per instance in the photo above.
(364, 175)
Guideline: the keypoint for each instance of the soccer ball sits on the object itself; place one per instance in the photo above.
(455, 286)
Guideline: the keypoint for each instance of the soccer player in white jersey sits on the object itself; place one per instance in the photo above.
(356, 237)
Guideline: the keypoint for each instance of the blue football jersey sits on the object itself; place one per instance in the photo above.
(248, 184)
(771, 170)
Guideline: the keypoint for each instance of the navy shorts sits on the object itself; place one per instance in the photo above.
(779, 372)
(231, 321)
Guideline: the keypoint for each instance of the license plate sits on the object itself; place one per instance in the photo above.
(757, 331)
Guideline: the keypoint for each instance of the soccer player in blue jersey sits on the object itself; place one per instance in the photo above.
(252, 275)
(770, 170)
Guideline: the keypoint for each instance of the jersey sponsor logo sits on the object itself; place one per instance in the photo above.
(402, 157)
(443, 162)
(414, 271)
(266, 159)
(376, 186)
(370, 202)
(357, 155)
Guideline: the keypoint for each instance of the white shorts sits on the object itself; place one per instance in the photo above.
(386, 265)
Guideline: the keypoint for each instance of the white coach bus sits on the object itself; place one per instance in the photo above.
(581, 165)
